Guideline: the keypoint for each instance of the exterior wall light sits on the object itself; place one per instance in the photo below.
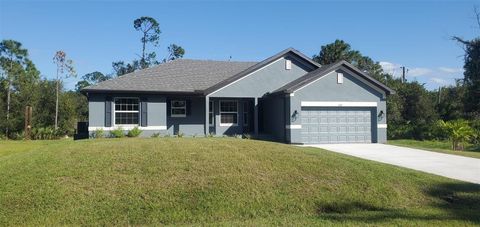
(381, 114)
(294, 115)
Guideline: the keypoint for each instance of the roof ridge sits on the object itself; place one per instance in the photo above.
(213, 60)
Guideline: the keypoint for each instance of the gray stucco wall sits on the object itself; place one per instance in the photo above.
(265, 80)
(193, 123)
(327, 89)
(158, 115)
(238, 129)
(96, 110)
(158, 119)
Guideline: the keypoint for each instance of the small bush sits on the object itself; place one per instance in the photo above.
(135, 132)
(99, 133)
(458, 131)
(475, 125)
(117, 133)
(18, 135)
(47, 133)
(167, 135)
(180, 134)
(155, 135)
(210, 135)
(247, 136)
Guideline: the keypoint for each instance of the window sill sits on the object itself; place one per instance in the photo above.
(178, 116)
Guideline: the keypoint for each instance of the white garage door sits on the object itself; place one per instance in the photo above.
(336, 125)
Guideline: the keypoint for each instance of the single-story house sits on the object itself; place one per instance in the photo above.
(287, 97)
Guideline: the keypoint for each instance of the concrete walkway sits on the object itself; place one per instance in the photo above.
(452, 166)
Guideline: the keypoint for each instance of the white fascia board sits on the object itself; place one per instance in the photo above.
(338, 104)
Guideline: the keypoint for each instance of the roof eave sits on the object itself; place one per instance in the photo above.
(196, 92)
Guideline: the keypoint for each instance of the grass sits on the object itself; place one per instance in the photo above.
(217, 181)
(438, 146)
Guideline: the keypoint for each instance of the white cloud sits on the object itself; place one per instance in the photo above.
(439, 81)
(432, 77)
(419, 71)
(390, 68)
(450, 70)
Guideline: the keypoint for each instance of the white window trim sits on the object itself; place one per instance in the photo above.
(211, 122)
(178, 115)
(220, 111)
(125, 111)
(245, 112)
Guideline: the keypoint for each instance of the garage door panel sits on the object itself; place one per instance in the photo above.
(336, 125)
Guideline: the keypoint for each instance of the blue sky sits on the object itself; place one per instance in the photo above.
(411, 33)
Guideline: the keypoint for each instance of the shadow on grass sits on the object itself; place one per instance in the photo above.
(458, 201)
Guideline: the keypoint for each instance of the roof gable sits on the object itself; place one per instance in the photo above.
(311, 77)
(259, 66)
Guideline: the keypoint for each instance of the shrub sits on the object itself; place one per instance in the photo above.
(99, 133)
(18, 135)
(458, 132)
(155, 135)
(135, 132)
(180, 134)
(475, 125)
(247, 136)
(210, 135)
(117, 133)
(167, 135)
(47, 133)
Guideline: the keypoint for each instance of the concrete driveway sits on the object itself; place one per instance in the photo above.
(452, 166)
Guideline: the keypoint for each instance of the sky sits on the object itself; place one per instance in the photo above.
(414, 34)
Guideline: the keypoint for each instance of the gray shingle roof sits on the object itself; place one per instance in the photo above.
(181, 75)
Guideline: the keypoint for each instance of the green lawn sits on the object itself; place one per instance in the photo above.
(217, 181)
(438, 146)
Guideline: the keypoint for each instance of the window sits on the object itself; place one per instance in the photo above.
(126, 111)
(245, 114)
(228, 113)
(178, 108)
(288, 64)
(211, 117)
(340, 78)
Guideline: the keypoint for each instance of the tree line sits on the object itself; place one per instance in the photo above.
(413, 112)
(56, 110)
